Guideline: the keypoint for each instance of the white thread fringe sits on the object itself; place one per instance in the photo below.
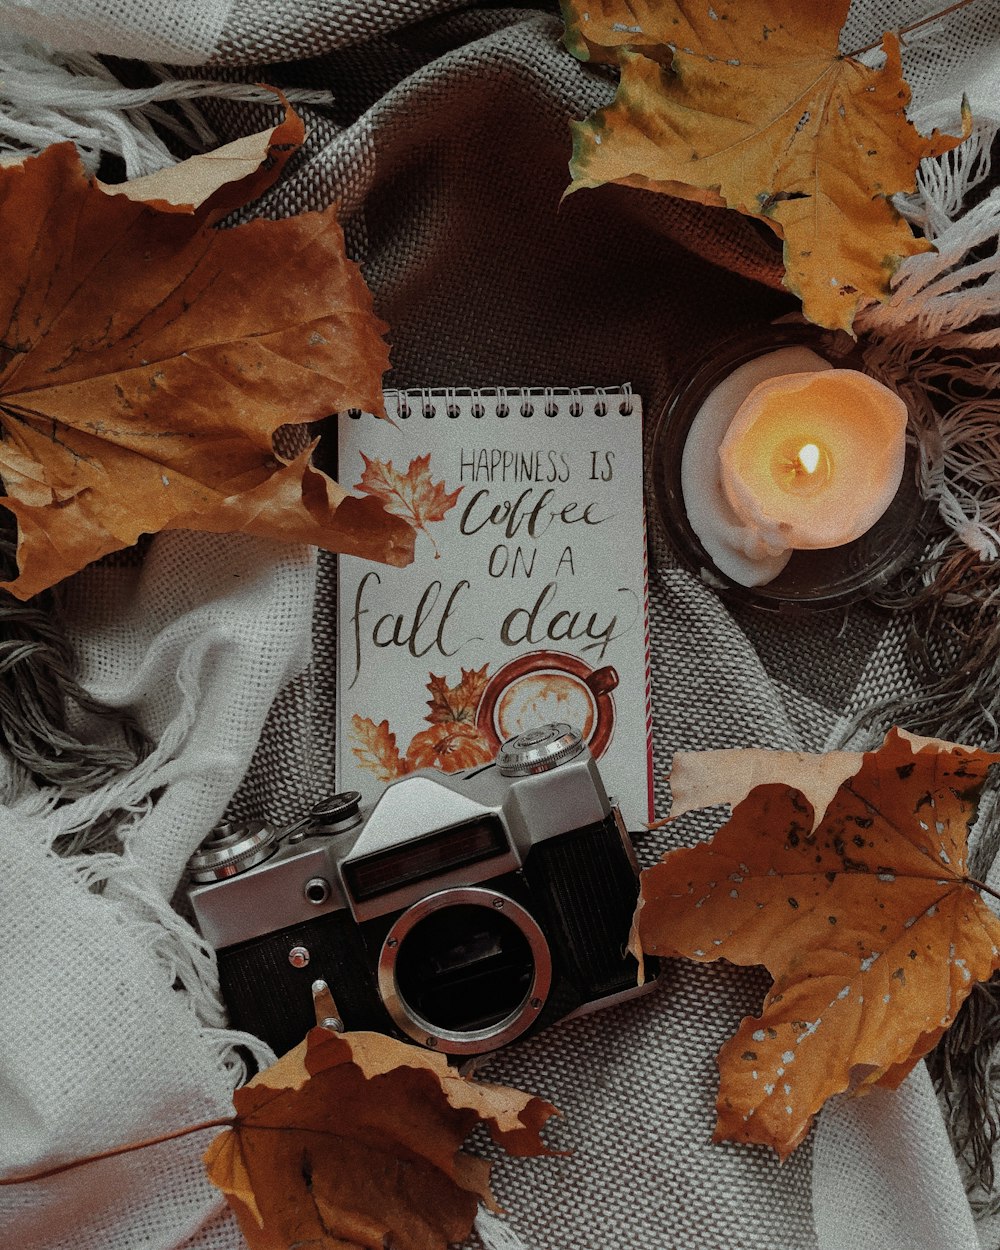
(495, 1234)
(51, 819)
(48, 97)
(187, 960)
(928, 339)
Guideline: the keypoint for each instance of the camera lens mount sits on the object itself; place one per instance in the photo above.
(464, 970)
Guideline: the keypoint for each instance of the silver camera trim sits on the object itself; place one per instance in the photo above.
(233, 849)
(476, 1041)
(539, 750)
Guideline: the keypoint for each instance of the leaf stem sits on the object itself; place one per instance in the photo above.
(224, 1122)
(905, 30)
(981, 885)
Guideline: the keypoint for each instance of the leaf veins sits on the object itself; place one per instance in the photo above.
(748, 103)
(149, 360)
(865, 918)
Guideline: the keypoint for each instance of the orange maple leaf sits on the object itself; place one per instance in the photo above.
(456, 703)
(749, 103)
(411, 495)
(859, 905)
(376, 750)
(224, 179)
(353, 1141)
(147, 360)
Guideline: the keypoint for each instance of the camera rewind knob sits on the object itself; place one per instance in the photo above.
(539, 750)
(232, 849)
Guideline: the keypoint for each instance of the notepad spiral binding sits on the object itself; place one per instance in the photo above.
(506, 401)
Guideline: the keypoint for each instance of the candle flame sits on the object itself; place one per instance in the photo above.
(801, 468)
(809, 457)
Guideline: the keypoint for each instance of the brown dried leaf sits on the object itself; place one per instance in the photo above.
(221, 180)
(353, 1141)
(867, 921)
(147, 361)
(749, 103)
(705, 778)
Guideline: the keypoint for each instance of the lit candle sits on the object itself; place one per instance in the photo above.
(789, 454)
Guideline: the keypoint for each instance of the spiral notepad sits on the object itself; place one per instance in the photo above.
(526, 598)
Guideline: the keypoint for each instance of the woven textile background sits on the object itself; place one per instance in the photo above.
(447, 147)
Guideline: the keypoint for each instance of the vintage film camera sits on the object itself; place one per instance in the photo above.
(462, 911)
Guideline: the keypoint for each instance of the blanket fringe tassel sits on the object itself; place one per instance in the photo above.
(965, 1073)
(48, 97)
(38, 687)
(935, 341)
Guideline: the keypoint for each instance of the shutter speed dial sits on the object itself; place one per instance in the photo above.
(540, 750)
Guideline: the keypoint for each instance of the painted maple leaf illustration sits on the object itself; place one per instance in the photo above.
(376, 749)
(452, 741)
(456, 703)
(411, 495)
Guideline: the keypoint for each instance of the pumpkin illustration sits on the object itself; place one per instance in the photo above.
(449, 746)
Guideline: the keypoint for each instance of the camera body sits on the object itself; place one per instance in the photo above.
(461, 911)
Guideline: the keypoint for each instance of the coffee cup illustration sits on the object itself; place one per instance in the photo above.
(545, 686)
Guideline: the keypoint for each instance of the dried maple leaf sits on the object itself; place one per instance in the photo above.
(706, 778)
(354, 1141)
(867, 921)
(147, 360)
(376, 749)
(748, 103)
(223, 179)
(456, 703)
(411, 495)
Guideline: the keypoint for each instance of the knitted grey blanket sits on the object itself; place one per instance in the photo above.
(446, 147)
